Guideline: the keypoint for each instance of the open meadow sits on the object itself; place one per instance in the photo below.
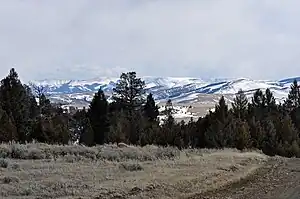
(109, 171)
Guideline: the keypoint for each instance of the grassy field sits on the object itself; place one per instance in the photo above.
(109, 171)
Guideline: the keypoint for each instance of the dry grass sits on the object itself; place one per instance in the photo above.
(44, 171)
(37, 151)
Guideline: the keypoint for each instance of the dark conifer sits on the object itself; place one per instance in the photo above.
(293, 100)
(129, 92)
(8, 131)
(17, 101)
(150, 109)
(98, 117)
(240, 105)
(221, 110)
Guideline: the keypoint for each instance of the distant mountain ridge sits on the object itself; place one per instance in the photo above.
(179, 89)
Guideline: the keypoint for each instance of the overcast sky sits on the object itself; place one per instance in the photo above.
(78, 39)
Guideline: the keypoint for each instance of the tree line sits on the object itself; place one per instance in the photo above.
(132, 117)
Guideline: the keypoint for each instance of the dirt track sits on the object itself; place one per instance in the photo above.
(279, 180)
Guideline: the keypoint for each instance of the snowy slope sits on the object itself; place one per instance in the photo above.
(178, 89)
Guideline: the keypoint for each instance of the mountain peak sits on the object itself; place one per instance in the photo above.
(179, 89)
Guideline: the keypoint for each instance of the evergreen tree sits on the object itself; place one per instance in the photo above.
(150, 133)
(242, 135)
(129, 96)
(45, 107)
(180, 131)
(17, 101)
(270, 100)
(292, 105)
(168, 128)
(8, 131)
(221, 110)
(240, 105)
(87, 134)
(257, 108)
(119, 129)
(259, 99)
(98, 117)
(129, 92)
(214, 134)
(60, 127)
(81, 128)
(295, 116)
(289, 132)
(256, 133)
(293, 100)
(198, 138)
(295, 149)
(169, 109)
(150, 109)
(270, 144)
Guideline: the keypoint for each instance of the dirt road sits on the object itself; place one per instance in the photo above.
(279, 180)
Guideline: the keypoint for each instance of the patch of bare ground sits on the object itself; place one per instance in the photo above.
(112, 172)
(279, 179)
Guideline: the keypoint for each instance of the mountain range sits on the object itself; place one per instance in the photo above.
(178, 89)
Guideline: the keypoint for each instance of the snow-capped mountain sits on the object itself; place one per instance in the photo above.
(180, 90)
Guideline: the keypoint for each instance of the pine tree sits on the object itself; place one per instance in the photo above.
(150, 109)
(214, 135)
(119, 129)
(129, 96)
(293, 100)
(295, 149)
(198, 139)
(295, 116)
(256, 132)
(270, 100)
(240, 105)
(169, 109)
(259, 99)
(60, 127)
(81, 128)
(257, 108)
(270, 143)
(45, 107)
(289, 132)
(150, 133)
(8, 131)
(129, 92)
(87, 136)
(221, 110)
(98, 117)
(242, 135)
(178, 140)
(17, 101)
(42, 131)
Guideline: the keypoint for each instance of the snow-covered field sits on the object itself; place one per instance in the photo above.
(179, 113)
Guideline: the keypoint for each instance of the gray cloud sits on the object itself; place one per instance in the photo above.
(88, 38)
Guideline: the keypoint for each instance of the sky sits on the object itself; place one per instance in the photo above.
(82, 39)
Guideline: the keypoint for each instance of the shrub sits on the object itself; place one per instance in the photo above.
(4, 152)
(19, 151)
(15, 166)
(70, 158)
(36, 154)
(131, 166)
(3, 163)
(10, 179)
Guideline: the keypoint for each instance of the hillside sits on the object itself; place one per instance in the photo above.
(198, 94)
(177, 89)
